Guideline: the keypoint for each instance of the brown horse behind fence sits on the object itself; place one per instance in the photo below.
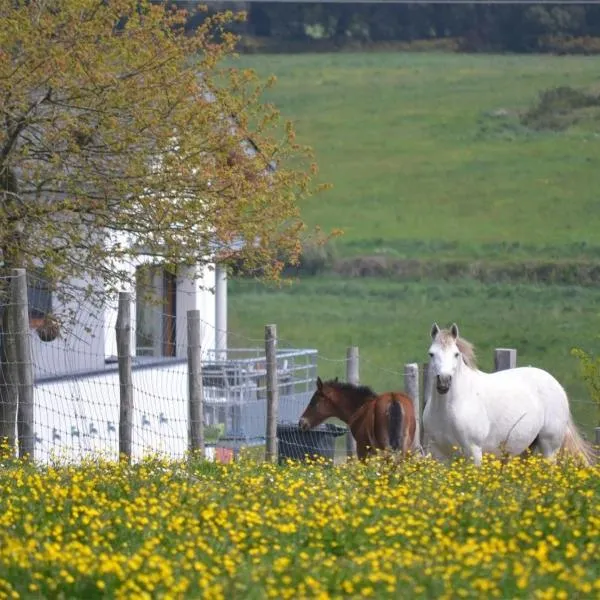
(377, 422)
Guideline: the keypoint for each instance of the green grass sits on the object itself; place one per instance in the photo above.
(418, 164)
(422, 169)
(390, 322)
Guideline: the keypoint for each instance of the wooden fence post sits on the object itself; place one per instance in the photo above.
(427, 384)
(195, 392)
(9, 391)
(352, 375)
(272, 392)
(411, 386)
(597, 435)
(123, 331)
(22, 341)
(505, 358)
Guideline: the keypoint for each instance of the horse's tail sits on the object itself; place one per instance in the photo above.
(574, 445)
(395, 424)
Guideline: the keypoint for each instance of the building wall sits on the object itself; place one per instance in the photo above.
(78, 416)
(196, 294)
(89, 340)
(80, 345)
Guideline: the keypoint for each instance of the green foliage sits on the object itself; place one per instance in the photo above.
(589, 367)
(112, 145)
(586, 45)
(315, 259)
(482, 27)
(213, 432)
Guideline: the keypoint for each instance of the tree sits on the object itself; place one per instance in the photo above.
(121, 134)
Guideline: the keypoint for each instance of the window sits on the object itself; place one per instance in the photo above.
(39, 297)
(156, 312)
(169, 314)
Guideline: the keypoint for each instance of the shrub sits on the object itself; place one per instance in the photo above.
(557, 108)
(316, 258)
(213, 432)
(589, 367)
(586, 45)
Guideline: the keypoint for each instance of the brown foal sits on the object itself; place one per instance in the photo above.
(377, 422)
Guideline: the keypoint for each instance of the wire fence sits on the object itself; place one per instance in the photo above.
(77, 381)
(67, 391)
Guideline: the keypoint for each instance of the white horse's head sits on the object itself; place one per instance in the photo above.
(445, 356)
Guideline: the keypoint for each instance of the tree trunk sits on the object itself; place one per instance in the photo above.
(9, 392)
(343, 23)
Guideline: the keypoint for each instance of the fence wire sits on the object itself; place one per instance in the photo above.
(77, 390)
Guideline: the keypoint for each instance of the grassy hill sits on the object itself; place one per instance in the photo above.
(431, 161)
(426, 152)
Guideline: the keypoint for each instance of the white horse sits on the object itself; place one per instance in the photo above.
(509, 411)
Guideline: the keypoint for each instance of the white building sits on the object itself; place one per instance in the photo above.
(77, 387)
(77, 390)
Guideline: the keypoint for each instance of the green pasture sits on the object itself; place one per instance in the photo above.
(390, 322)
(427, 156)
(429, 160)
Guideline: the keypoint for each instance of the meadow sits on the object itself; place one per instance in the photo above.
(427, 155)
(517, 529)
(390, 323)
(430, 162)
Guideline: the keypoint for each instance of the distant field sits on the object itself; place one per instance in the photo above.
(420, 167)
(423, 170)
(390, 322)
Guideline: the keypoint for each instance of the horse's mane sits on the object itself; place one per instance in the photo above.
(361, 393)
(466, 348)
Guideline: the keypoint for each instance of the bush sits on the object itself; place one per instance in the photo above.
(558, 108)
(589, 367)
(586, 45)
(275, 45)
(213, 432)
(315, 258)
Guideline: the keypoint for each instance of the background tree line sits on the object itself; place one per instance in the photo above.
(474, 27)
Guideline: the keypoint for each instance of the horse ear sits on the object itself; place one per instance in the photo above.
(434, 331)
(319, 384)
(336, 379)
(454, 331)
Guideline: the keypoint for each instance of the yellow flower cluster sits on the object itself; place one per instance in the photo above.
(418, 529)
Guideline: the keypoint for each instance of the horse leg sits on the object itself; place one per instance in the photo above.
(534, 448)
(431, 449)
(362, 452)
(548, 447)
(475, 453)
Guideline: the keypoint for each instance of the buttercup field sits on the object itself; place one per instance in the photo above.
(197, 265)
